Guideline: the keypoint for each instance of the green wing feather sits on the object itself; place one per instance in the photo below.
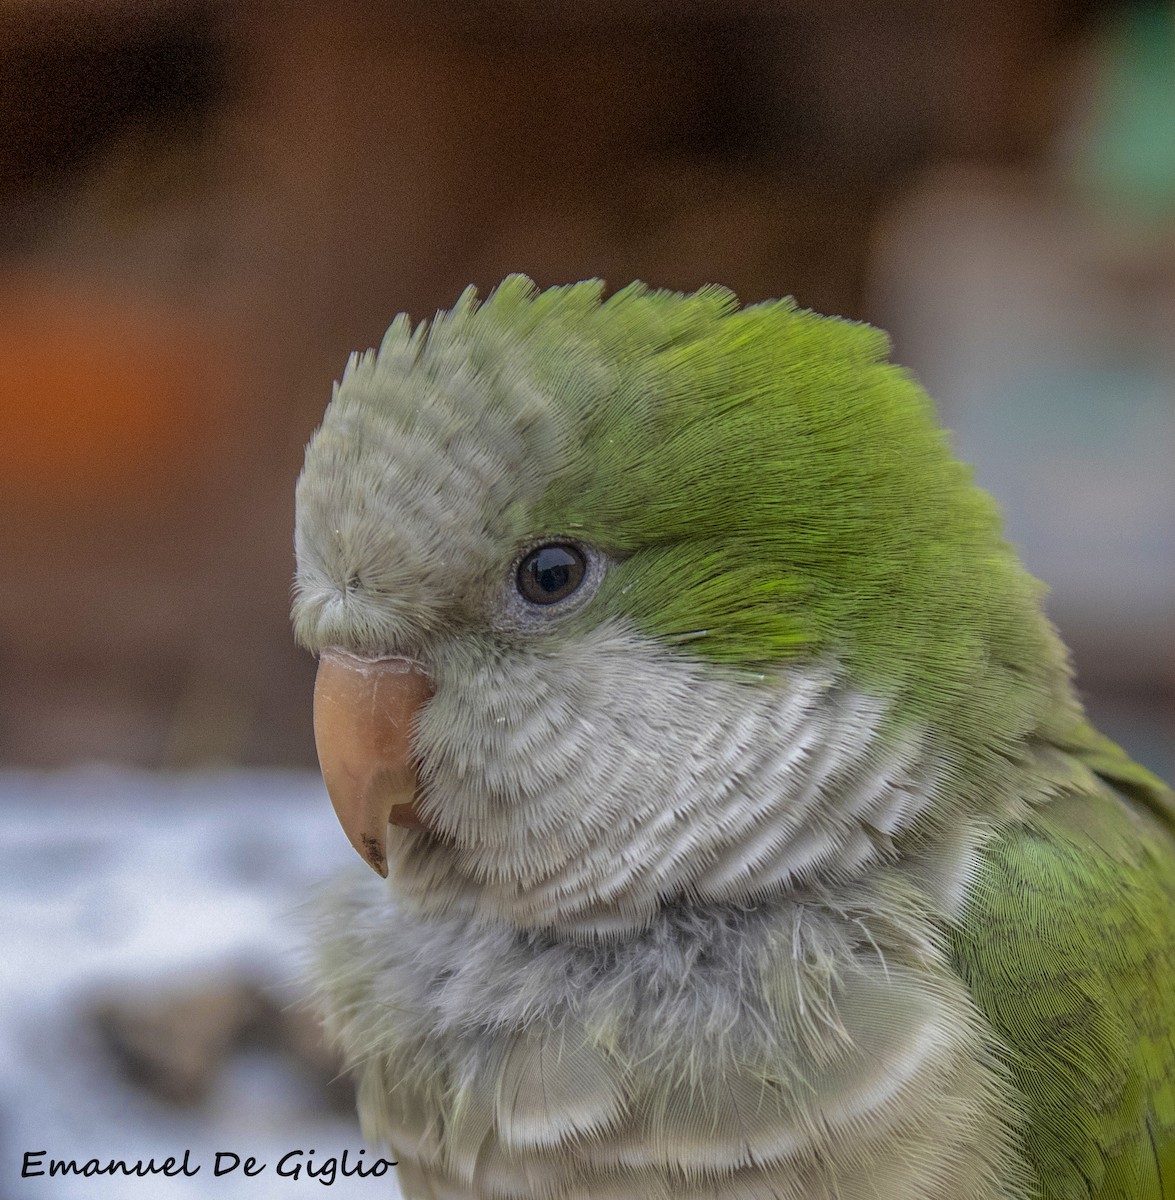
(1068, 947)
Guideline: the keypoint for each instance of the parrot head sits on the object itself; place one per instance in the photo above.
(621, 601)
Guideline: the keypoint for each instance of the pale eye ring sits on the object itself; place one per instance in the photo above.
(551, 572)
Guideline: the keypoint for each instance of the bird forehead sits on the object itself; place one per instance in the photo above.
(394, 515)
(416, 491)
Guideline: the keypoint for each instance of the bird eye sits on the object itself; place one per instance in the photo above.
(551, 573)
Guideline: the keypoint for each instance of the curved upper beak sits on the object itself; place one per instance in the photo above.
(364, 718)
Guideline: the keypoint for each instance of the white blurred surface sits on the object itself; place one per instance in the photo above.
(128, 883)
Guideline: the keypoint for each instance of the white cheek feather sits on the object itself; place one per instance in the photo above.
(581, 785)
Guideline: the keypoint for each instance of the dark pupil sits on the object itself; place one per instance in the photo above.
(551, 573)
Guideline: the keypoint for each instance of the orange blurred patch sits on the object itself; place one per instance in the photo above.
(103, 396)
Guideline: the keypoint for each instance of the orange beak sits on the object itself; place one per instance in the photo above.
(364, 718)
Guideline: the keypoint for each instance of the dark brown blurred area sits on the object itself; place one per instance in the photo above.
(205, 207)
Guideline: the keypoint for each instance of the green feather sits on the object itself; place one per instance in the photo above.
(1068, 947)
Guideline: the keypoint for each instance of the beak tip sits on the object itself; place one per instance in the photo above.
(374, 855)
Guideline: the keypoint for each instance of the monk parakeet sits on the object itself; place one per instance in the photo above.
(746, 836)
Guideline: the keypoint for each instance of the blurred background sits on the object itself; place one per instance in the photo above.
(204, 206)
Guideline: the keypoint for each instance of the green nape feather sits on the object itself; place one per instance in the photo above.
(1068, 947)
